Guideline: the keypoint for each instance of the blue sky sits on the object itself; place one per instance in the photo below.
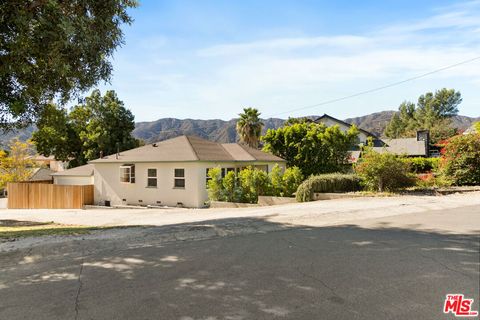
(206, 59)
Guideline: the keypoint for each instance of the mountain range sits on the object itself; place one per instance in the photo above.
(224, 131)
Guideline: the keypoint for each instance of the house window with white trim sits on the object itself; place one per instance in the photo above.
(127, 173)
(152, 178)
(179, 179)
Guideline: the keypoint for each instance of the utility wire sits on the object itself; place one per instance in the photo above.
(377, 88)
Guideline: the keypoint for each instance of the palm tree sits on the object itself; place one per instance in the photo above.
(249, 127)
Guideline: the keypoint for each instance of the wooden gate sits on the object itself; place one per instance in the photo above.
(48, 196)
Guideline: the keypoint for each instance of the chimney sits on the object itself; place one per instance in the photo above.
(424, 135)
(101, 154)
(118, 150)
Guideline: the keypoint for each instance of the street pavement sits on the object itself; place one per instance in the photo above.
(390, 267)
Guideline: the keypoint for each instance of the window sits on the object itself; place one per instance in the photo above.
(127, 173)
(179, 181)
(226, 170)
(207, 178)
(152, 178)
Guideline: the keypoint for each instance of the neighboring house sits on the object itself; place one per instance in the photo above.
(49, 162)
(411, 147)
(171, 172)
(41, 175)
(80, 176)
(327, 120)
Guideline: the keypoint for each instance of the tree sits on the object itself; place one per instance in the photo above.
(54, 50)
(461, 160)
(313, 148)
(16, 164)
(56, 136)
(249, 127)
(101, 124)
(433, 112)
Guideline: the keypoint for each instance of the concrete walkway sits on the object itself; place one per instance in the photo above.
(313, 213)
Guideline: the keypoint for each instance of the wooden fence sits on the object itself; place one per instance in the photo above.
(48, 196)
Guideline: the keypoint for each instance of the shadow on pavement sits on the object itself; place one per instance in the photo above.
(276, 272)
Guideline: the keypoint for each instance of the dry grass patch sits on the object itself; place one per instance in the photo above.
(12, 229)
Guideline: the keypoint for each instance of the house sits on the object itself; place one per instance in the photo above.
(79, 176)
(411, 147)
(49, 162)
(41, 175)
(171, 172)
(328, 120)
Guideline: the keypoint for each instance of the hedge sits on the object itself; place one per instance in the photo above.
(331, 182)
(422, 165)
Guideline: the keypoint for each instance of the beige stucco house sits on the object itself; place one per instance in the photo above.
(79, 176)
(171, 172)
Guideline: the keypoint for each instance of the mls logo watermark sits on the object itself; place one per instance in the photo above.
(459, 306)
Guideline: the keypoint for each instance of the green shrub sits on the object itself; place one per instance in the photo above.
(276, 181)
(250, 183)
(332, 182)
(422, 165)
(383, 171)
(253, 182)
(232, 192)
(214, 184)
(461, 160)
(292, 178)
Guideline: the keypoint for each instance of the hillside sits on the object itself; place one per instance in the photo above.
(215, 130)
(224, 131)
(376, 122)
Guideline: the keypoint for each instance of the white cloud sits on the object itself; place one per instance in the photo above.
(284, 73)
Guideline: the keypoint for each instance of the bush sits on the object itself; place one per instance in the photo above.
(461, 160)
(422, 165)
(250, 183)
(383, 171)
(332, 182)
(276, 181)
(292, 178)
(253, 182)
(214, 184)
(232, 192)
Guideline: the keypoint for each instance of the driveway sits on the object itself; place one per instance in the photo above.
(312, 213)
(393, 267)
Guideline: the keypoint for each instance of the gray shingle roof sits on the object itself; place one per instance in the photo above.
(41, 174)
(82, 171)
(408, 146)
(190, 148)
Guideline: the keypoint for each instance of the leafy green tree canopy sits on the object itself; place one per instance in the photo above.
(433, 112)
(314, 148)
(100, 124)
(54, 50)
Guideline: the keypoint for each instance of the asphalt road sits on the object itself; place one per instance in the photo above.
(336, 272)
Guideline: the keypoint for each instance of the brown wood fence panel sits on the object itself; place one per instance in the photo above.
(48, 196)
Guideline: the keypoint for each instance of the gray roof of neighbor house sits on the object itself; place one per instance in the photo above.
(190, 148)
(408, 146)
(345, 123)
(82, 171)
(41, 174)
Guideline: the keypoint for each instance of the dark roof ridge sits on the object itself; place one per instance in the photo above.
(190, 144)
